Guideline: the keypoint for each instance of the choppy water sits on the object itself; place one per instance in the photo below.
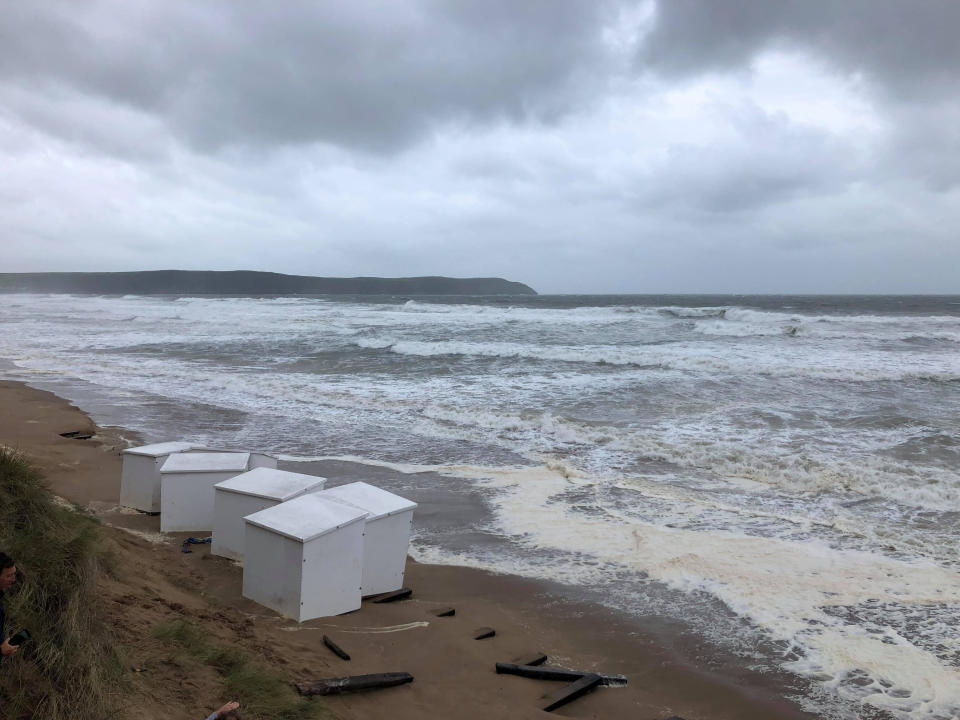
(781, 473)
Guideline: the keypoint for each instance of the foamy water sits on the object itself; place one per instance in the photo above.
(788, 463)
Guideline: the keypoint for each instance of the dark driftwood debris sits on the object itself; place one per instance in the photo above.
(401, 594)
(445, 612)
(77, 435)
(570, 692)
(336, 649)
(531, 660)
(354, 683)
(483, 633)
(551, 673)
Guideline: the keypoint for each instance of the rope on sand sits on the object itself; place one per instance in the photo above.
(366, 630)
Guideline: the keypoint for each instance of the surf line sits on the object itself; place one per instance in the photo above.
(367, 630)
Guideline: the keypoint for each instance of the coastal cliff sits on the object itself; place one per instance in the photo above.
(248, 282)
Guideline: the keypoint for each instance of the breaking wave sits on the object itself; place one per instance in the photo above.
(794, 460)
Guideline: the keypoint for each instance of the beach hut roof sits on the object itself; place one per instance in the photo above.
(271, 484)
(205, 448)
(199, 462)
(376, 501)
(159, 449)
(306, 517)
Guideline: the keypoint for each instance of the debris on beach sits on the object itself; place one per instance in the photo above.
(533, 659)
(335, 649)
(185, 547)
(354, 683)
(445, 612)
(571, 692)
(540, 672)
(483, 633)
(401, 594)
(578, 682)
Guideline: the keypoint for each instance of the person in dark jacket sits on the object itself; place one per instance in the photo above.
(8, 575)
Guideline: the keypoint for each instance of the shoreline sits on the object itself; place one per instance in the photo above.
(454, 673)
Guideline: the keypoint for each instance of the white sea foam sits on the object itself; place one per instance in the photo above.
(826, 362)
(787, 588)
(742, 322)
(807, 462)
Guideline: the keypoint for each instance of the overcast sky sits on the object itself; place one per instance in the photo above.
(576, 145)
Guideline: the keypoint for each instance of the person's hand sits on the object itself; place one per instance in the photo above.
(8, 649)
(232, 705)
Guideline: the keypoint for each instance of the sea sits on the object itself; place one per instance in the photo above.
(778, 476)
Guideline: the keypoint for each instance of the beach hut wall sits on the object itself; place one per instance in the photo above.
(387, 533)
(186, 487)
(250, 492)
(303, 558)
(140, 474)
(264, 460)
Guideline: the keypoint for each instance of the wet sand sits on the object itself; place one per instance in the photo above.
(454, 674)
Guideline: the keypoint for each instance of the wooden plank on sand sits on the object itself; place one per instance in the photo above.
(570, 692)
(552, 673)
(483, 633)
(354, 683)
(531, 659)
(445, 612)
(401, 594)
(336, 649)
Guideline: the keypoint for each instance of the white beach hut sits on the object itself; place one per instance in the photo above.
(303, 558)
(245, 494)
(264, 460)
(140, 476)
(257, 459)
(387, 533)
(186, 487)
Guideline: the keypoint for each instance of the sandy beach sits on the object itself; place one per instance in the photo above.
(454, 674)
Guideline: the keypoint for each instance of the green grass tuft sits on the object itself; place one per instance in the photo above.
(65, 669)
(261, 691)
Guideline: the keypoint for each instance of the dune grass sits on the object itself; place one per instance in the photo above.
(68, 668)
(261, 691)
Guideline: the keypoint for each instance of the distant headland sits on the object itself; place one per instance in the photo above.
(248, 282)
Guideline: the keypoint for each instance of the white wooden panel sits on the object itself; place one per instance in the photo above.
(272, 570)
(140, 482)
(160, 449)
(273, 484)
(388, 528)
(307, 517)
(207, 462)
(262, 460)
(385, 553)
(332, 570)
(186, 499)
(229, 509)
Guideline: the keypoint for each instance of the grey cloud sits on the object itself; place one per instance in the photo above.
(365, 75)
(770, 161)
(926, 144)
(102, 127)
(908, 48)
(905, 51)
